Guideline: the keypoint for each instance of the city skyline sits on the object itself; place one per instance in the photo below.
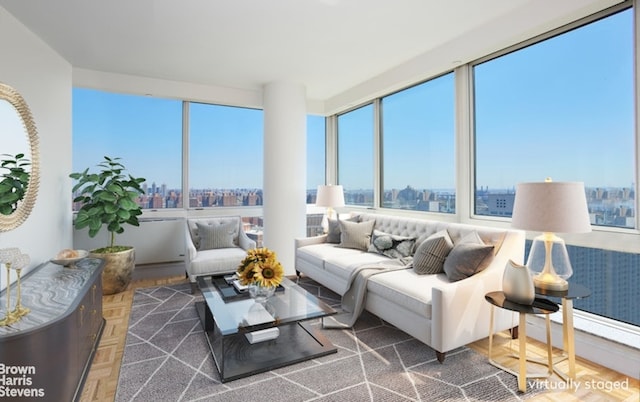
(608, 206)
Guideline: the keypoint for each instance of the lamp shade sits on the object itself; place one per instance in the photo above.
(558, 207)
(331, 196)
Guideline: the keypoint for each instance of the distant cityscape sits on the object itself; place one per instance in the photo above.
(608, 206)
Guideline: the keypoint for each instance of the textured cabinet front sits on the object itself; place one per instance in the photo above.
(47, 354)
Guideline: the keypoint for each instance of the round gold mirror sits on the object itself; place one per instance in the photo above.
(19, 159)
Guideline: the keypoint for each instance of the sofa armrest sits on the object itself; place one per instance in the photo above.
(245, 242)
(460, 312)
(307, 241)
(191, 248)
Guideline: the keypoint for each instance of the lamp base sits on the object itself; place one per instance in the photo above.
(549, 282)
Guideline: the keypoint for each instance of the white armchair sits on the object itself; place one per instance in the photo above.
(214, 246)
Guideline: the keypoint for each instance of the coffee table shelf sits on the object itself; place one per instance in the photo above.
(226, 324)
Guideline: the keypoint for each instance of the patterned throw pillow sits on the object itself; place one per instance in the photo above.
(356, 234)
(392, 246)
(216, 236)
(431, 253)
(468, 257)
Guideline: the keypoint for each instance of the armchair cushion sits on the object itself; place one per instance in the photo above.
(213, 236)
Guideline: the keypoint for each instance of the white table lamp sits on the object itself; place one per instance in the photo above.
(329, 196)
(550, 207)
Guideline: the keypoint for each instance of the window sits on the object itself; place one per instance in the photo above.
(145, 132)
(355, 155)
(418, 131)
(225, 156)
(316, 149)
(562, 108)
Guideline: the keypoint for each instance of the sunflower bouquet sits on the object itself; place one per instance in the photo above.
(260, 267)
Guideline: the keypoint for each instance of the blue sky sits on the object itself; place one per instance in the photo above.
(562, 108)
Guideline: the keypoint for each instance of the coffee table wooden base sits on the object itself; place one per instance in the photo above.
(236, 358)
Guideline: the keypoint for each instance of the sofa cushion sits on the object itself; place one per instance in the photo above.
(408, 289)
(431, 254)
(468, 257)
(214, 236)
(344, 264)
(318, 253)
(356, 235)
(392, 246)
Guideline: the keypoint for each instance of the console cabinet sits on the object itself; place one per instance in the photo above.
(47, 354)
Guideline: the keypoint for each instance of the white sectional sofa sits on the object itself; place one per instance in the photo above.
(442, 313)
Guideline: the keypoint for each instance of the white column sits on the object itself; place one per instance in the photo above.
(285, 169)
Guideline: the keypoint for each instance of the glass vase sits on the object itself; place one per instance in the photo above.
(261, 293)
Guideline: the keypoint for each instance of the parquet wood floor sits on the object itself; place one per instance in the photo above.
(102, 380)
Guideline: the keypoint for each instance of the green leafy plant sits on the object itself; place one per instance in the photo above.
(108, 198)
(15, 181)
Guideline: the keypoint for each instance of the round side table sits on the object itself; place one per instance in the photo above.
(574, 292)
(540, 306)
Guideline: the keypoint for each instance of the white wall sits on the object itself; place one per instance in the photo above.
(43, 78)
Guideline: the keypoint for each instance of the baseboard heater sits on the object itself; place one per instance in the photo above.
(156, 240)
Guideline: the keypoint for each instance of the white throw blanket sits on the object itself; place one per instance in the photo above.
(353, 299)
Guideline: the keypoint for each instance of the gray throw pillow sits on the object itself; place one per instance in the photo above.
(356, 234)
(392, 246)
(431, 253)
(333, 233)
(468, 257)
(216, 236)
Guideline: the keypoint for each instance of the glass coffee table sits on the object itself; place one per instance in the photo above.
(247, 337)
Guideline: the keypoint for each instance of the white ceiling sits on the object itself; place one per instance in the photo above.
(329, 46)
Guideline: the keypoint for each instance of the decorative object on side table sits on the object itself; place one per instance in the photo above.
(517, 284)
(12, 258)
(109, 198)
(261, 271)
(68, 257)
(19, 262)
(7, 255)
(550, 207)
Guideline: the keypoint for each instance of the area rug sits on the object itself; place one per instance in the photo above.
(167, 358)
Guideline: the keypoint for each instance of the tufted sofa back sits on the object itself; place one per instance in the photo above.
(422, 228)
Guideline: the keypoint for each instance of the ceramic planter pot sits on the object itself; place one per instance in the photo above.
(118, 270)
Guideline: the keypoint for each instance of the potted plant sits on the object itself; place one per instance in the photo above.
(13, 183)
(109, 198)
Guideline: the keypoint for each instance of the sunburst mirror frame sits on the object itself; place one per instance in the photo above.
(21, 213)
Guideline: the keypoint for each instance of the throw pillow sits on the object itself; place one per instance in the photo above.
(356, 234)
(216, 236)
(392, 246)
(468, 257)
(333, 233)
(431, 253)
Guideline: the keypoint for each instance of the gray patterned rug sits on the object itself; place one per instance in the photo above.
(167, 358)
